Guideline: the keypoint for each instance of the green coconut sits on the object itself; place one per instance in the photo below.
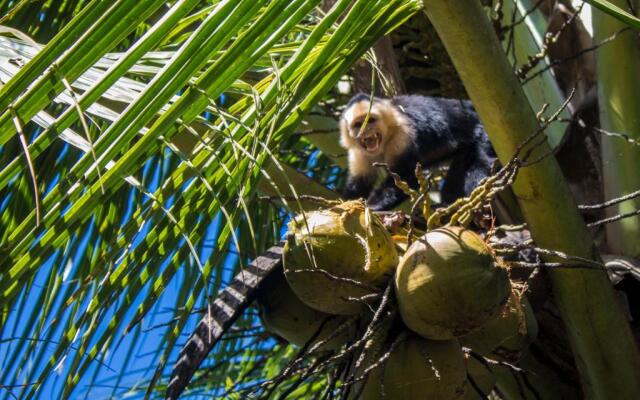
(448, 284)
(285, 315)
(507, 335)
(419, 369)
(480, 379)
(335, 257)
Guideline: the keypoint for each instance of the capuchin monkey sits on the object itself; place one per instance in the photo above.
(406, 130)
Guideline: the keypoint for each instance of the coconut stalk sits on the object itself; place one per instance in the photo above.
(606, 352)
(618, 64)
(327, 140)
(285, 181)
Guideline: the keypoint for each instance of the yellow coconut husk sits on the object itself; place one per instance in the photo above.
(285, 315)
(482, 376)
(506, 336)
(328, 250)
(419, 369)
(448, 284)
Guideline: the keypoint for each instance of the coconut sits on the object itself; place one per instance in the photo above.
(335, 257)
(507, 335)
(285, 315)
(448, 284)
(480, 379)
(419, 369)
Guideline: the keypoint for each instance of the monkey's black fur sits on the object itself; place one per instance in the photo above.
(445, 129)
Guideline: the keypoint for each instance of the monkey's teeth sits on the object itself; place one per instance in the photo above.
(371, 143)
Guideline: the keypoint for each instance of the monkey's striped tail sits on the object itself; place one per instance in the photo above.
(221, 314)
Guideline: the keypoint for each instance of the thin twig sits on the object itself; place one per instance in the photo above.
(611, 202)
(614, 218)
(574, 56)
(334, 277)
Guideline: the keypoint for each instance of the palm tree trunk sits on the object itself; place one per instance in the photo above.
(528, 38)
(606, 352)
(618, 65)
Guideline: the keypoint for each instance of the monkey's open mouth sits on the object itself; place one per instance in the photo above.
(371, 143)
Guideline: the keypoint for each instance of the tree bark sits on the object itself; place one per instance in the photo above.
(391, 83)
(618, 66)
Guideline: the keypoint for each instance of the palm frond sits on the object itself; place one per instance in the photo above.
(146, 180)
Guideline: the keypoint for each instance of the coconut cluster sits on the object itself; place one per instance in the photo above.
(451, 292)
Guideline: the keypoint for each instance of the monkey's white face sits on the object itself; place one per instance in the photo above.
(364, 129)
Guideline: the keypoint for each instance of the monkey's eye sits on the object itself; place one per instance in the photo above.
(358, 125)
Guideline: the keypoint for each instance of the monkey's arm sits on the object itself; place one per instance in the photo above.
(358, 186)
(466, 171)
(388, 195)
(221, 314)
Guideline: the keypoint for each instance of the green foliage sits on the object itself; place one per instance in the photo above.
(616, 12)
(116, 167)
